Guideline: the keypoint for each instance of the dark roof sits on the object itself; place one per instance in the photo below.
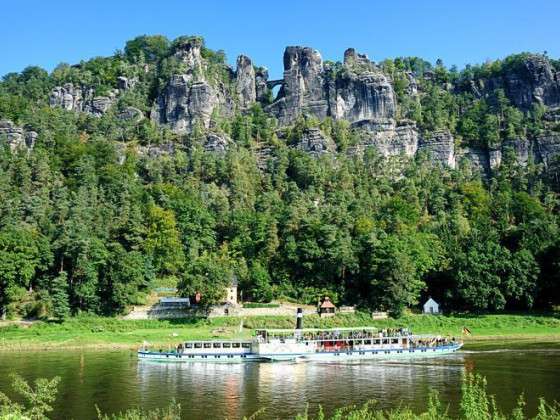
(174, 300)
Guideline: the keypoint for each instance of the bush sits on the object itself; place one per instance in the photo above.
(260, 305)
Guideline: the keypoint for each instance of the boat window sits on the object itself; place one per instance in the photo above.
(197, 345)
(394, 340)
(216, 357)
(235, 345)
(377, 341)
(207, 345)
(385, 341)
(217, 345)
(226, 345)
(367, 341)
(246, 345)
(188, 345)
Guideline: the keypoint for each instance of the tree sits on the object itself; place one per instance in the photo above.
(59, 296)
(149, 48)
(38, 400)
(163, 241)
(24, 252)
(209, 275)
(396, 269)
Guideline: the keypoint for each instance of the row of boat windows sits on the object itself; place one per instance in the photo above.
(217, 345)
(206, 356)
(386, 352)
(366, 342)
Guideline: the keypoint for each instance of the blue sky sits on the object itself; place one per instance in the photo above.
(46, 33)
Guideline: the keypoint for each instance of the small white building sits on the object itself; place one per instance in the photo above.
(431, 307)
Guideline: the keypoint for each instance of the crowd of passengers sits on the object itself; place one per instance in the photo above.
(357, 335)
(432, 342)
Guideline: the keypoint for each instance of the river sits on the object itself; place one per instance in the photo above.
(116, 380)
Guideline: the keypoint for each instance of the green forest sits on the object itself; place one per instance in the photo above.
(89, 224)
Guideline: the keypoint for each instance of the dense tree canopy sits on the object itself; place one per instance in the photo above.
(87, 223)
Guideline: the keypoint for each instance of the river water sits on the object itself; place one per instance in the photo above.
(116, 380)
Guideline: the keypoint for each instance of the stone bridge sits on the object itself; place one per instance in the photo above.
(272, 83)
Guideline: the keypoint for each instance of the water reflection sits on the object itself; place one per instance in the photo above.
(116, 381)
(283, 388)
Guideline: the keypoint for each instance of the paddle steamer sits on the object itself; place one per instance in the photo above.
(301, 344)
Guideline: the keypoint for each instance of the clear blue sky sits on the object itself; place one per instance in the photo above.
(45, 33)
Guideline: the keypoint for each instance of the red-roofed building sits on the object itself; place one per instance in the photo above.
(326, 308)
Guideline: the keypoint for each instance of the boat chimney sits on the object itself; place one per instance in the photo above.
(299, 319)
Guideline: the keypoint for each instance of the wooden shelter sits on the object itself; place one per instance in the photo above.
(326, 308)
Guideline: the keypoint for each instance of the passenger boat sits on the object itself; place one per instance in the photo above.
(310, 344)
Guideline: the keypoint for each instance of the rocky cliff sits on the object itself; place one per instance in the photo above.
(17, 138)
(202, 90)
(527, 80)
(359, 91)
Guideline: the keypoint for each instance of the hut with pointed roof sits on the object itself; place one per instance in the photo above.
(326, 308)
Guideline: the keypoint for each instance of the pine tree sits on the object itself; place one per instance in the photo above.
(59, 296)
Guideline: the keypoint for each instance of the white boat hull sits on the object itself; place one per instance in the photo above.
(377, 354)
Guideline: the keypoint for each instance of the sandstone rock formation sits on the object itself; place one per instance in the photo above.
(358, 92)
(125, 83)
(387, 138)
(81, 99)
(153, 151)
(190, 98)
(130, 113)
(355, 90)
(217, 143)
(245, 82)
(261, 79)
(303, 89)
(315, 143)
(547, 149)
(440, 147)
(16, 137)
(527, 81)
(533, 81)
(185, 102)
(362, 91)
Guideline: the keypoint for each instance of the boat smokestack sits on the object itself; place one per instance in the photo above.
(299, 319)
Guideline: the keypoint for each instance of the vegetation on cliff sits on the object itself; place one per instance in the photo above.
(104, 204)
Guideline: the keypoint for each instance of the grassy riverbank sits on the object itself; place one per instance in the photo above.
(106, 333)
